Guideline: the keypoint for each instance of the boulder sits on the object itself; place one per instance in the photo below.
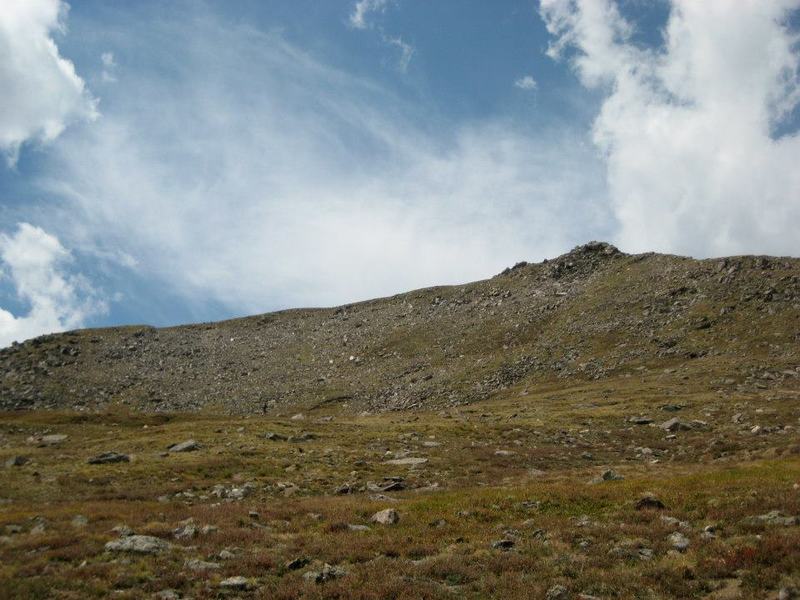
(388, 516)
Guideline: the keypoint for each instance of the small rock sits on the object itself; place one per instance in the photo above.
(408, 461)
(187, 446)
(195, 564)
(17, 461)
(673, 425)
(327, 573)
(47, 440)
(504, 544)
(649, 502)
(297, 563)
(138, 544)
(275, 437)
(79, 521)
(388, 516)
(679, 541)
(608, 475)
(557, 592)
(774, 517)
(640, 420)
(235, 583)
(167, 595)
(122, 530)
(186, 530)
(108, 458)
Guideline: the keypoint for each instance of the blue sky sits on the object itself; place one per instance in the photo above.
(182, 161)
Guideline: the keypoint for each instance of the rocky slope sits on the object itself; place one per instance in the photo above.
(590, 314)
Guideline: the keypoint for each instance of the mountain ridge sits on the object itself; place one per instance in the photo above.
(590, 314)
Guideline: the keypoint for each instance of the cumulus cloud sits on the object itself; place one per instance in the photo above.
(688, 129)
(34, 263)
(526, 83)
(41, 93)
(269, 179)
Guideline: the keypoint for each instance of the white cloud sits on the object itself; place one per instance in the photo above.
(526, 83)
(406, 51)
(267, 179)
(33, 261)
(41, 93)
(109, 67)
(361, 10)
(693, 165)
(359, 20)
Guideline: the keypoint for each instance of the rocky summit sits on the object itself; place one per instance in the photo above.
(596, 426)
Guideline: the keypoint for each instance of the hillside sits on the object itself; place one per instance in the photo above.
(598, 426)
(591, 314)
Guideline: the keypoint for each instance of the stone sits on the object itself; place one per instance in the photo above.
(195, 564)
(557, 592)
(649, 502)
(674, 424)
(774, 517)
(187, 530)
(53, 439)
(235, 583)
(408, 461)
(388, 516)
(640, 420)
(17, 461)
(122, 530)
(297, 563)
(187, 446)
(275, 437)
(608, 475)
(678, 541)
(79, 521)
(168, 594)
(138, 544)
(504, 544)
(327, 573)
(108, 458)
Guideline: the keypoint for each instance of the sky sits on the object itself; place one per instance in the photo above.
(166, 162)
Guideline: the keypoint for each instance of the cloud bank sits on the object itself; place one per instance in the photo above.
(35, 263)
(40, 93)
(688, 130)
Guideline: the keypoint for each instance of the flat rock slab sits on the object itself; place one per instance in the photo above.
(408, 461)
(109, 457)
(138, 544)
(187, 446)
(47, 440)
(235, 583)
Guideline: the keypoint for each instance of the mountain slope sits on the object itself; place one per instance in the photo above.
(591, 314)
